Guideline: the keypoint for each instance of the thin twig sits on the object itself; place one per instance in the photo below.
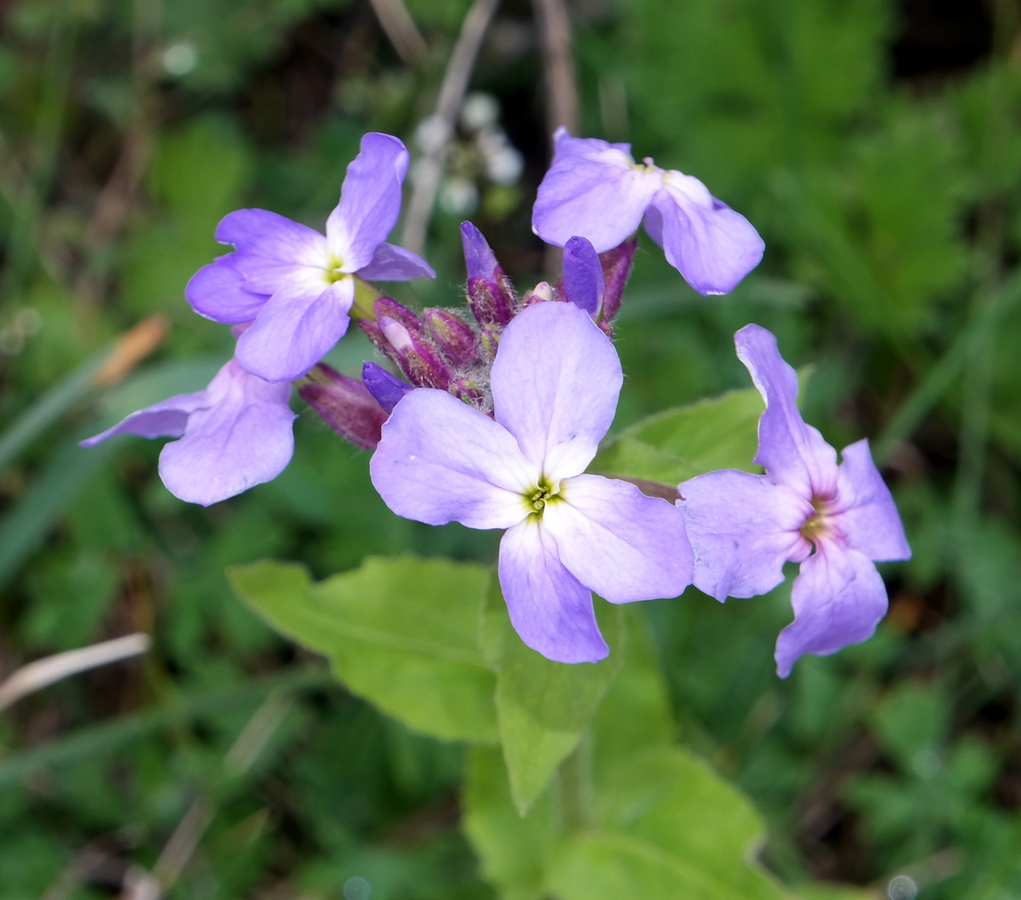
(561, 82)
(43, 672)
(452, 90)
(396, 21)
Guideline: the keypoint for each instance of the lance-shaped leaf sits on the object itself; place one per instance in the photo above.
(542, 706)
(402, 633)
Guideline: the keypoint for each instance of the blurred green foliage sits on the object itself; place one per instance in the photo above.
(891, 205)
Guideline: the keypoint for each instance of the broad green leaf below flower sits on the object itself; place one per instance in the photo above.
(402, 633)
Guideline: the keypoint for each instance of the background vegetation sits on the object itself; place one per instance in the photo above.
(877, 147)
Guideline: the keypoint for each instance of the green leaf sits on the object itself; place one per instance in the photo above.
(543, 706)
(665, 827)
(402, 633)
(681, 443)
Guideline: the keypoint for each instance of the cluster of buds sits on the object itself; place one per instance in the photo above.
(446, 349)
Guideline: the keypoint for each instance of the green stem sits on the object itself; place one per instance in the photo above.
(575, 789)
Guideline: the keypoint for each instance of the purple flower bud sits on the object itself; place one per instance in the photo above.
(489, 339)
(391, 309)
(469, 391)
(490, 293)
(583, 276)
(452, 336)
(417, 360)
(386, 388)
(617, 265)
(344, 404)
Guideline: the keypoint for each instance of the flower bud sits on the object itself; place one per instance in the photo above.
(417, 360)
(583, 276)
(489, 339)
(490, 293)
(453, 336)
(344, 404)
(469, 391)
(617, 265)
(541, 293)
(391, 309)
(386, 388)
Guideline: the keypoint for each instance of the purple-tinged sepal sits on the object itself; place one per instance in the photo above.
(453, 336)
(419, 362)
(345, 405)
(387, 389)
(583, 277)
(617, 264)
(387, 307)
(490, 294)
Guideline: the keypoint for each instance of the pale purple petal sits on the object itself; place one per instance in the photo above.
(710, 244)
(555, 385)
(742, 528)
(295, 329)
(242, 438)
(271, 249)
(618, 542)
(865, 514)
(370, 201)
(593, 190)
(583, 276)
(386, 388)
(168, 418)
(441, 461)
(479, 259)
(838, 599)
(792, 452)
(549, 608)
(392, 263)
(217, 292)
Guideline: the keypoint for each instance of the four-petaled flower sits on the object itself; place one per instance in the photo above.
(595, 190)
(235, 434)
(555, 384)
(296, 286)
(744, 527)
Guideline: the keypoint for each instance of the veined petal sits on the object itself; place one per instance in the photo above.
(792, 452)
(838, 599)
(742, 528)
(618, 542)
(712, 246)
(392, 263)
(295, 329)
(244, 437)
(583, 276)
(441, 461)
(217, 292)
(555, 385)
(271, 249)
(168, 418)
(593, 190)
(865, 513)
(370, 201)
(550, 610)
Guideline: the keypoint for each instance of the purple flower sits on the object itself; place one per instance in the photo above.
(744, 527)
(555, 384)
(296, 286)
(235, 434)
(583, 276)
(595, 190)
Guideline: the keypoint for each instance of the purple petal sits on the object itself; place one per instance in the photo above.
(441, 461)
(370, 201)
(392, 263)
(792, 452)
(386, 388)
(272, 250)
(555, 385)
(838, 599)
(549, 608)
(618, 542)
(583, 276)
(743, 528)
(168, 418)
(865, 513)
(295, 329)
(712, 246)
(479, 259)
(243, 437)
(216, 291)
(593, 190)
